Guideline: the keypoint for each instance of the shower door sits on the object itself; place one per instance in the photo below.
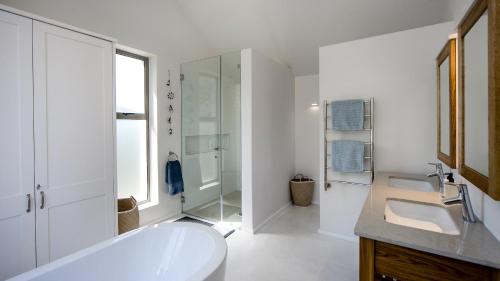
(211, 142)
(201, 153)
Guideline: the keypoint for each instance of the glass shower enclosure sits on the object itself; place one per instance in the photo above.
(211, 138)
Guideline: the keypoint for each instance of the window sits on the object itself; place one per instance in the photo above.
(132, 125)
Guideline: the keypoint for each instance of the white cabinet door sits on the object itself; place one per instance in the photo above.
(73, 82)
(17, 219)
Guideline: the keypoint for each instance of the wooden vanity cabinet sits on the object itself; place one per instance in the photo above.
(384, 261)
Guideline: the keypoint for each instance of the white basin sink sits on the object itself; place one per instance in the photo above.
(412, 184)
(420, 215)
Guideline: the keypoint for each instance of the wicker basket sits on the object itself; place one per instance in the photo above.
(128, 214)
(302, 189)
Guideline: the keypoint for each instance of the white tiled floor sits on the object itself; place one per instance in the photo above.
(290, 248)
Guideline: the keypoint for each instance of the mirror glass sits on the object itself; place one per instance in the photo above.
(476, 96)
(444, 105)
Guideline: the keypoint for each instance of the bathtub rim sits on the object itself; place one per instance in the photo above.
(217, 260)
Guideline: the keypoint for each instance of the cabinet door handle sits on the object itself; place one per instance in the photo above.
(28, 196)
(42, 203)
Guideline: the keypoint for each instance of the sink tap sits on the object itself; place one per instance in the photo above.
(440, 174)
(463, 197)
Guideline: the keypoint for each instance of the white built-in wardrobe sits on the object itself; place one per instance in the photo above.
(56, 142)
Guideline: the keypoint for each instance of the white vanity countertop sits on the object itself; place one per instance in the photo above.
(474, 244)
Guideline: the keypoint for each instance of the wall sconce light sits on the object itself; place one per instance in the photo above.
(314, 104)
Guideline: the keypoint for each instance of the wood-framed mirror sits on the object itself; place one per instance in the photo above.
(446, 104)
(479, 96)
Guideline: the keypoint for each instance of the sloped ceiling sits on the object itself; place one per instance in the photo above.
(155, 26)
(291, 31)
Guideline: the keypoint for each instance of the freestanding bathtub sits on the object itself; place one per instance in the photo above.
(165, 251)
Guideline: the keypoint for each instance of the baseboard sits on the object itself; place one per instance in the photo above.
(260, 225)
(315, 203)
(162, 219)
(340, 236)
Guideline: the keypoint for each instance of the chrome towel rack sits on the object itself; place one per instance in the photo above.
(370, 116)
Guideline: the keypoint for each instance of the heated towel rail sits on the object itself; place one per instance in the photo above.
(368, 116)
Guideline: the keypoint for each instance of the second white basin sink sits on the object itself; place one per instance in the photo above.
(420, 215)
(412, 184)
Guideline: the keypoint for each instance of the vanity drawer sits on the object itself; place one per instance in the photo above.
(407, 264)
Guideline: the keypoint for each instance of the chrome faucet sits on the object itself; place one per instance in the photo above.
(463, 197)
(440, 174)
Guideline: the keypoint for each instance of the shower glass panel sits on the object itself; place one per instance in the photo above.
(200, 133)
(231, 138)
(211, 138)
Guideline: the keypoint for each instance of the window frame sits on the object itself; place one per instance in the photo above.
(140, 116)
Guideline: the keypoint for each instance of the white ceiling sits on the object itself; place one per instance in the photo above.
(291, 31)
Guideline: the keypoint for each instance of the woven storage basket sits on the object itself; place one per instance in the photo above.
(302, 189)
(128, 214)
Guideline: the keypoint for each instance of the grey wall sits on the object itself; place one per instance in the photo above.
(268, 137)
(398, 70)
(306, 129)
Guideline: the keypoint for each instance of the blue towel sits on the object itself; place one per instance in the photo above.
(348, 115)
(348, 156)
(173, 177)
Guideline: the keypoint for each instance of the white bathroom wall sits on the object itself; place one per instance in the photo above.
(306, 128)
(398, 70)
(164, 32)
(267, 137)
(457, 8)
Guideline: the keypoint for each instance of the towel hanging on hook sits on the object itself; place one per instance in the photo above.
(173, 175)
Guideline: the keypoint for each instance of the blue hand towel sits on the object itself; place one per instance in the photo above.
(348, 115)
(173, 177)
(348, 156)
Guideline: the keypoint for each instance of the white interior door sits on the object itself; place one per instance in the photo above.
(73, 82)
(17, 218)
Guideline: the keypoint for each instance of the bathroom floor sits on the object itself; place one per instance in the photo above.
(289, 247)
(212, 213)
(232, 210)
(233, 199)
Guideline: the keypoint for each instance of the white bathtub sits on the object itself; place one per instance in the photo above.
(166, 251)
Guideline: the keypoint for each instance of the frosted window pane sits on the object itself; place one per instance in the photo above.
(132, 159)
(129, 84)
